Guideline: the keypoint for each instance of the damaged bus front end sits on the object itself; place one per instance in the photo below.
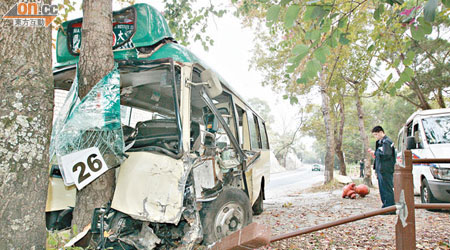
(191, 157)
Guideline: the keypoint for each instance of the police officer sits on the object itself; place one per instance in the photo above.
(384, 154)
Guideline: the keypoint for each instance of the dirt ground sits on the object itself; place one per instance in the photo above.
(301, 210)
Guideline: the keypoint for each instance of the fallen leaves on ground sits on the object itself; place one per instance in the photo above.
(306, 210)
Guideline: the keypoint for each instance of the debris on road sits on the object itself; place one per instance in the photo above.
(350, 191)
(362, 190)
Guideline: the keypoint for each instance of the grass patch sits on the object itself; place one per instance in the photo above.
(334, 184)
(57, 240)
(358, 181)
(328, 187)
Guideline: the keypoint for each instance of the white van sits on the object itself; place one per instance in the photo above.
(427, 135)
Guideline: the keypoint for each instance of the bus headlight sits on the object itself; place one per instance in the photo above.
(440, 173)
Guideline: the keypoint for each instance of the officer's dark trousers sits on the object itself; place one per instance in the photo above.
(386, 185)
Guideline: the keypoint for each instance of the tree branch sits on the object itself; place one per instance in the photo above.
(408, 100)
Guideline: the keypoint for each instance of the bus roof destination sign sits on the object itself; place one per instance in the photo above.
(32, 13)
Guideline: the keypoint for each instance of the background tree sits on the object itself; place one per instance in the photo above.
(339, 125)
(263, 109)
(26, 104)
(315, 129)
(96, 61)
(355, 71)
(189, 23)
(329, 131)
(304, 43)
(286, 138)
(421, 67)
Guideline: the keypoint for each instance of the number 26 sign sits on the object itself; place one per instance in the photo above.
(82, 167)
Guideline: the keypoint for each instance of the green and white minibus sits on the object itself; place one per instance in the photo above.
(198, 156)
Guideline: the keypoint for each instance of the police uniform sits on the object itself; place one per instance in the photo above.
(384, 166)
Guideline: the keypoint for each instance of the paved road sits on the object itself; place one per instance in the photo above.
(292, 181)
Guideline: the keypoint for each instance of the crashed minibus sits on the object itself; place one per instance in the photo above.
(427, 135)
(191, 157)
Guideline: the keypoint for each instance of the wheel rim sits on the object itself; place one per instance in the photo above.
(229, 219)
(425, 194)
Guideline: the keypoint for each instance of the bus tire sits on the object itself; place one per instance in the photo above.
(229, 212)
(258, 207)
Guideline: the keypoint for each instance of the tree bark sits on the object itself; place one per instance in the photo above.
(339, 137)
(96, 57)
(96, 60)
(365, 140)
(440, 98)
(26, 107)
(329, 131)
(422, 99)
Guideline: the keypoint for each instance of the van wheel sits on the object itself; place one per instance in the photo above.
(258, 207)
(229, 212)
(426, 196)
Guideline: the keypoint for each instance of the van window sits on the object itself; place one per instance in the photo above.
(417, 135)
(409, 130)
(437, 129)
(400, 142)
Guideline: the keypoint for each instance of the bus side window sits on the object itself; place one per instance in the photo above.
(264, 140)
(255, 140)
(258, 131)
(244, 138)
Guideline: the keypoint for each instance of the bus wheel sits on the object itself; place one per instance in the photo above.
(258, 207)
(229, 212)
(426, 196)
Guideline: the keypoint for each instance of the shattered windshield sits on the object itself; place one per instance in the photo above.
(89, 124)
(437, 129)
(148, 109)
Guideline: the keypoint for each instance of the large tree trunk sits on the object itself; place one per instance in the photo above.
(339, 137)
(365, 140)
(329, 131)
(26, 106)
(96, 60)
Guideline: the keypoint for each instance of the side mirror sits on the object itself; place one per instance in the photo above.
(214, 88)
(410, 143)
